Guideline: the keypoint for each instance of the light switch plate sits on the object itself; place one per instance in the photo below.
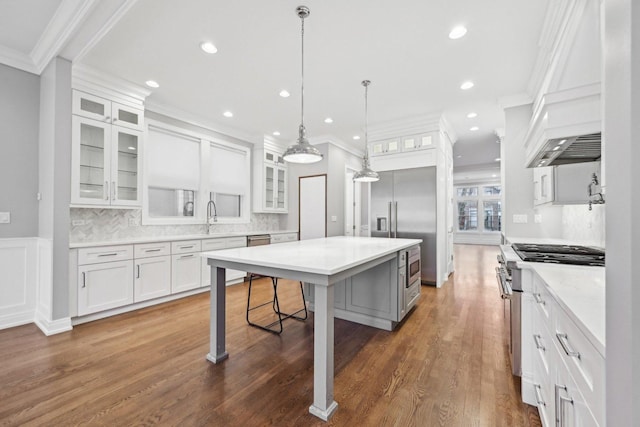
(334, 218)
(537, 218)
(5, 217)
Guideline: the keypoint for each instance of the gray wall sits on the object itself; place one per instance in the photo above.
(517, 183)
(55, 175)
(19, 111)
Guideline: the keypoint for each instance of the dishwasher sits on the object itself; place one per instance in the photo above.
(257, 240)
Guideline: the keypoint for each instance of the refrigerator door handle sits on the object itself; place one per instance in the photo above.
(395, 223)
(390, 221)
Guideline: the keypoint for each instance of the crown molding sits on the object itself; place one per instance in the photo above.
(337, 142)
(516, 100)
(203, 122)
(68, 18)
(446, 127)
(98, 82)
(406, 126)
(17, 59)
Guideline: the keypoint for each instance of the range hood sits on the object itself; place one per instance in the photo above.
(565, 128)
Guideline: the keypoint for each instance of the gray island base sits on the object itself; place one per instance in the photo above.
(321, 264)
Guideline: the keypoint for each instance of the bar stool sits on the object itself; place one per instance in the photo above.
(275, 305)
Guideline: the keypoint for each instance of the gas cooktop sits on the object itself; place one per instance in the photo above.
(560, 254)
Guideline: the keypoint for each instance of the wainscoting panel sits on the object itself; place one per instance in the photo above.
(18, 275)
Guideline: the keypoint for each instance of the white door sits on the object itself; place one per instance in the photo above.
(313, 207)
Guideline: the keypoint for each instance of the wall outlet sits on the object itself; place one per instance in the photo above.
(77, 222)
(334, 218)
(5, 217)
(520, 219)
(537, 218)
(133, 222)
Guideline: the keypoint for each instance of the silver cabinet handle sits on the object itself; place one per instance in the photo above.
(107, 118)
(560, 401)
(564, 342)
(137, 271)
(110, 254)
(187, 256)
(153, 250)
(186, 247)
(84, 279)
(106, 190)
(536, 339)
(114, 190)
(539, 299)
(538, 390)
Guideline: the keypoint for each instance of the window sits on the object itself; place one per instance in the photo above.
(471, 200)
(229, 180)
(468, 215)
(173, 174)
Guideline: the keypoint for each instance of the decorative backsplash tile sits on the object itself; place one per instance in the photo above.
(584, 226)
(113, 224)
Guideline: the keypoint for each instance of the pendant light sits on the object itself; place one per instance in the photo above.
(366, 174)
(301, 151)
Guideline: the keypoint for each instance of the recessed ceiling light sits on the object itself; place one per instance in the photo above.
(131, 148)
(284, 93)
(457, 32)
(227, 114)
(466, 85)
(474, 128)
(208, 47)
(472, 115)
(276, 133)
(459, 156)
(356, 137)
(494, 175)
(497, 159)
(556, 148)
(152, 83)
(328, 120)
(562, 142)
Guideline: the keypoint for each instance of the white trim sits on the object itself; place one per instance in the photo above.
(18, 281)
(17, 59)
(337, 142)
(98, 83)
(52, 327)
(407, 126)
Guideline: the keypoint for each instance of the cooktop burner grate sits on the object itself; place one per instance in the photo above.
(560, 254)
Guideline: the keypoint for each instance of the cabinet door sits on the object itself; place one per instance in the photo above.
(543, 185)
(374, 292)
(281, 194)
(91, 106)
(185, 272)
(90, 162)
(129, 117)
(377, 148)
(152, 278)
(269, 190)
(126, 177)
(104, 286)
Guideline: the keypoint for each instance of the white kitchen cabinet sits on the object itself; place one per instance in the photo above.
(272, 157)
(563, 185)
(389, 146)
(185, 272)
(283, 237)
(401, 144)
(105, 164)
(106, 111)
(104, 285)
(152, 264)
(374, 292)
(232, 276)
(270, 192)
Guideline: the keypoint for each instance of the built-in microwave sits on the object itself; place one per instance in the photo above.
(413, 265)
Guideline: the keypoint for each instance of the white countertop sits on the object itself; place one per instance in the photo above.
(580, 290)
(326, 256)
(174, 238)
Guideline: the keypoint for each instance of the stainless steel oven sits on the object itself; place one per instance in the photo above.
(510, 287)
(413, 265)
(409, 276)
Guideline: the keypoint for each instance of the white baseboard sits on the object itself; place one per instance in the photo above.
(363, 319)
(16, 319)
(52, 327)
(528, 391)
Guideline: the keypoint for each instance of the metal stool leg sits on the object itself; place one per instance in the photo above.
(275, 306)
(292, 315)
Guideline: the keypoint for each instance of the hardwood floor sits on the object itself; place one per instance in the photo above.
(446, 365)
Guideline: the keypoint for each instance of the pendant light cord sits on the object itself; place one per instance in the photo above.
(302, 86)
(366, 84)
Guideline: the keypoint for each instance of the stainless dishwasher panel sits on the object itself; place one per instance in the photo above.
(258, 240)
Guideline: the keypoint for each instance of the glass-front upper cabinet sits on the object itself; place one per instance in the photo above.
(281, 200)
(105, 164)
(275, 189)
(103, 110)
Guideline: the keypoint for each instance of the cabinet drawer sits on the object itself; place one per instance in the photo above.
(151, 249)
(584, 362)
(185, 247)
(223, 243)
(236, 242)
(286, 237)
(104, 254)
(544, 303)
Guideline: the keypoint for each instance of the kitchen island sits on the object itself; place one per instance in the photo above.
(320, 262)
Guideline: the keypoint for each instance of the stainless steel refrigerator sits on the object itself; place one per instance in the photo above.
(403, 205)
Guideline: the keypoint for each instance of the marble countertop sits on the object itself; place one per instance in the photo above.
(580, 290)
(326, 256)
(173, 238)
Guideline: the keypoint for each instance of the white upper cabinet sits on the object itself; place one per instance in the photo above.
(401, 144)
(106, 158)
(270, 183)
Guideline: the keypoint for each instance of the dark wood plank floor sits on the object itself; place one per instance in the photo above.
(446, 365)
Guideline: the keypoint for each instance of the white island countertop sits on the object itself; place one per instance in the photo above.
(325, 256)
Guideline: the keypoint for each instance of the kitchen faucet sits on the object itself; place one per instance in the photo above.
(599, 197)
(215, 214)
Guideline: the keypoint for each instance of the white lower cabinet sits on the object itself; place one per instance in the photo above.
(105, 285)
(374, 292)
(185, 272)
(152, 278)
(568, 371)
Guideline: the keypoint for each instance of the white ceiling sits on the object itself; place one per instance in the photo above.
(402, 47)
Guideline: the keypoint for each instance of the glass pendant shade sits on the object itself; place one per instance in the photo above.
(302, 151)
(366, 174)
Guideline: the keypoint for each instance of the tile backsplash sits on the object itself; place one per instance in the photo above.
(584, 226)
(114, 224)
